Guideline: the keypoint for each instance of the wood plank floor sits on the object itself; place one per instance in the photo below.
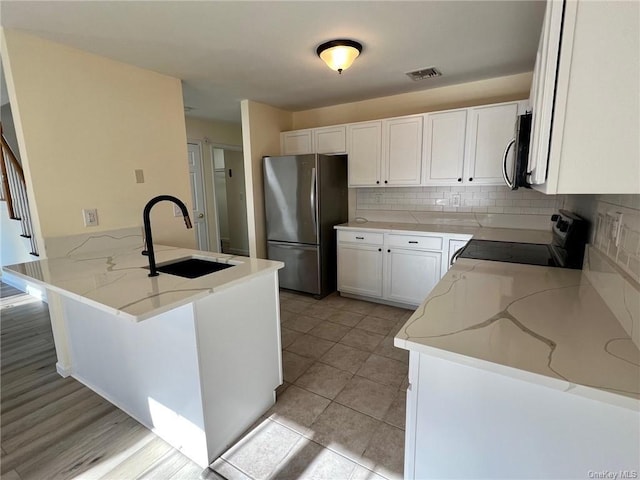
(56, 428)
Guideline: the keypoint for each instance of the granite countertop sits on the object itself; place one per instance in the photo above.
(477, 232)
(115, 281)
(543, 325)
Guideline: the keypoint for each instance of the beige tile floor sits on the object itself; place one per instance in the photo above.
(340, 413)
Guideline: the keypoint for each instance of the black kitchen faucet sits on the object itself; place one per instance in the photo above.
(147, 227)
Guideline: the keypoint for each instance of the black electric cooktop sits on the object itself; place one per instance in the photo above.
(527, 253)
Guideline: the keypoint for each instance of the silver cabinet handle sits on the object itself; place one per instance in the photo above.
(504, 165)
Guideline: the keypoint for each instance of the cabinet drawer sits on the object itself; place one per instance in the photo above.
(415, 241)
(360, 237)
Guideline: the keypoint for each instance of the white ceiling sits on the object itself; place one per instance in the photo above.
(225, 51)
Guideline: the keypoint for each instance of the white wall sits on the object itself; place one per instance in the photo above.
(493, 90)
(13, 247)
(84, 123)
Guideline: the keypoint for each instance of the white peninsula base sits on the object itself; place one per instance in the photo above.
(197, 375)
(468, 422)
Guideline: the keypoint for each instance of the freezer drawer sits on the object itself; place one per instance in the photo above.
(301, 270)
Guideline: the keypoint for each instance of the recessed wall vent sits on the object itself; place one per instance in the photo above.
(424, 73)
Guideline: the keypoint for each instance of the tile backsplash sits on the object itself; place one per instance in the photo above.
(458, 199)
(625, 250)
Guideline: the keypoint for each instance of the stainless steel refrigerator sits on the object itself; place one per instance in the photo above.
(305, 196)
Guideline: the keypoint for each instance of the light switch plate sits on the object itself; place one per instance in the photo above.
(139, 176)
(90, 217)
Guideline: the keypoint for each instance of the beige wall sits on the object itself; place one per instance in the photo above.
(494, 90)
(207, 132)
(261, 127)
(84, 123)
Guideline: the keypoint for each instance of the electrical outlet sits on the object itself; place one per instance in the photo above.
(377, 198)
(139, 176)
(455, 200)
(90, 217)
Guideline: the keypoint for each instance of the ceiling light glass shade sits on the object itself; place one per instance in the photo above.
(339, 54)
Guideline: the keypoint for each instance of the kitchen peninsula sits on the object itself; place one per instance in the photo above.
(195, 360)
(521, 371)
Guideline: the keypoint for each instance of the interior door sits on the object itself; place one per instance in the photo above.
(198, 215)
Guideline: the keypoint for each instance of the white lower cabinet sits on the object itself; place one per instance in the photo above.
(360, 269)
(392, 267)
(410, 274)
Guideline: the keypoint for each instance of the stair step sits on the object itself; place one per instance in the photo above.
(25, 236)
(15, 218)
(34, 254)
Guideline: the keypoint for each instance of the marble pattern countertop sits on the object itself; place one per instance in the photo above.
(539, 324)
(478, 232)
(115, 281)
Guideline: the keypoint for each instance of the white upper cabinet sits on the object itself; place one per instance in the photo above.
(402, 151)
(490, 129)
(385, 152)
(463, 146)
(444, 147)
(296, 142)
(330, 139)
(314, 140)
(585, 105)
(364, 146)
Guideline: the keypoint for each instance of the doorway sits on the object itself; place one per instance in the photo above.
(230, 199)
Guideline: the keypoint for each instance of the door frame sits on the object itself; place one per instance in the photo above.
(222, 146)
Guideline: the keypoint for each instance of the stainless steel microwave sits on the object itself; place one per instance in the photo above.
(518, 177)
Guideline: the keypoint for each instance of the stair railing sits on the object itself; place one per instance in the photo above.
(14, 192)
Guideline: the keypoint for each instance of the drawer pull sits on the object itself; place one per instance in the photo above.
(412, 241)
(359, 238)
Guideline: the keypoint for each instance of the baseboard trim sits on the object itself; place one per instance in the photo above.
(64, 371)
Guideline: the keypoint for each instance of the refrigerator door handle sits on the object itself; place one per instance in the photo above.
(312, 200)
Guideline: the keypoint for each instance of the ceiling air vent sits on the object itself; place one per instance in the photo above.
(424, 73)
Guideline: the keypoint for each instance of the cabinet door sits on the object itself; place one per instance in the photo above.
(330, 139)
(360, 269)
(402, 156)
(297, 142)
(364, 150)
(444, 147)
(491, 128)
(410, 274)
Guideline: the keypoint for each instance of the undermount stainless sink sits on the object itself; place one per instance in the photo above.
(192, 267)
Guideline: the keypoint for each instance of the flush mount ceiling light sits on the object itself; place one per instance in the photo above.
(339, 54)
